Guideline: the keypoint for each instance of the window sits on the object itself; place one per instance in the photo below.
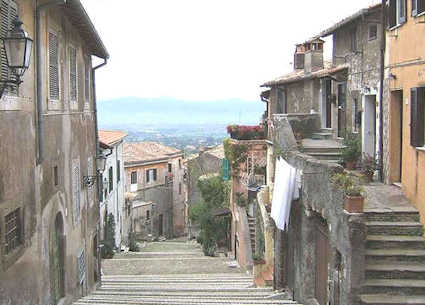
(133, 178)
(8, 14)
(151, 175)
(180, 188)
(76, 189)
(55, 176)
(353, 35)
(281, 101)
(53, 66)
(170, 167)
(299, 61)
(357, 116)
(13, 230)
(148, 216)
(373, 31)
(73, 73)
(418, 7)
(417, 117)
(396, 12)
(111, 179)
(118, 171)
(87, 80)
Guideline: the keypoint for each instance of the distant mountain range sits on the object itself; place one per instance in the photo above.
(168, 112)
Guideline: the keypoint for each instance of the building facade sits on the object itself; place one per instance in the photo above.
(112, 200)
(48, 212)
(154, 173)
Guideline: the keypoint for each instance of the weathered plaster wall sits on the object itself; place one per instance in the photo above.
(404, 45)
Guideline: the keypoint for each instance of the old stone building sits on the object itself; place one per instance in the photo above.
(112, 200)
(154, 173)
(49, 208)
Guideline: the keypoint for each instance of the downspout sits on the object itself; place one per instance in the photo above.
(99, 176)
(39, 69)
(381, 95)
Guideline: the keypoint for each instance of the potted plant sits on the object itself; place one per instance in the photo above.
(353, 198)
(368, 167)
(351, 152)
(257, 259)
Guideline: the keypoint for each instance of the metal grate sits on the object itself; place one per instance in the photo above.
(53, 66)
(13, 231)
(73, 73)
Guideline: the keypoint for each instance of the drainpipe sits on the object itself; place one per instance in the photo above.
(381, 95)
(39, 69)
(99, 176)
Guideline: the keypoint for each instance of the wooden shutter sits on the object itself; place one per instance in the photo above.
(111, 179)
(417, 128)
(73, 73)
(392, 13)
(147, 176)
(53, 66)
(414, 7)
(226, 170)
(8, 13)
(420, 6)
(118, 170)
(154, 174)
(87, 80)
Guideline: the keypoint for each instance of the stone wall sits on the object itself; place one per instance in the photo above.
(320, 205)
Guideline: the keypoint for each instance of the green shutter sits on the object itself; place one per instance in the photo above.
(226, 170)
(417, 125)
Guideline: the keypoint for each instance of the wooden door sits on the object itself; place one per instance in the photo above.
(322, 260)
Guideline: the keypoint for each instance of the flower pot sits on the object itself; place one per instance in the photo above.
(353, 204)
(259, 261)
(350, 165)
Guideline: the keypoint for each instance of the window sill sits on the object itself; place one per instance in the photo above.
(419, 15)
(396, 27)
(420, 149)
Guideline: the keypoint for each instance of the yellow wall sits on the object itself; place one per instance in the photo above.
(405, 55)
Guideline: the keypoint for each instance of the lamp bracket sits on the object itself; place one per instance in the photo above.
(89, 181)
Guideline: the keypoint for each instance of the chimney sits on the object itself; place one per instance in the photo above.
(299, 57)
(313, 58)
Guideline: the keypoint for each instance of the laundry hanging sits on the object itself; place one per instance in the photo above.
(286, 189)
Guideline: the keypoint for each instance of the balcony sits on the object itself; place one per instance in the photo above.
(242, 132)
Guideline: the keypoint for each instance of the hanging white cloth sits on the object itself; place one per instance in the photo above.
(285, 190)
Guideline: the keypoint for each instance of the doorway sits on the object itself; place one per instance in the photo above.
(342, 105)
(396, 136)
(160, 225)
(369, 125)
(327, 103)
(322, 260)
(58, 260)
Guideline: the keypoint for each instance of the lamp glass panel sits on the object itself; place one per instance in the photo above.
(15, 51)
(28, 51)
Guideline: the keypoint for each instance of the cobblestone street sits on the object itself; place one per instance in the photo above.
(176, 272)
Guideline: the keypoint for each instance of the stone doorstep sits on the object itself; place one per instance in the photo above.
(401, 286)
(396, 270)
(388, 299)
(394, 228)
(395, 242)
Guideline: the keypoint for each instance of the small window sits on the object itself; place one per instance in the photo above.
(73, 73)
(87, 80)
(418, 7)
(353, 34)
(357, 116)
(133, 178)
(148, 215)
(55, 176)
(118, 171)
(396, 12)
(401, 11)
(414, 7)
(14, 231)
(373, 31)
(170, 167)
(299, 61)
(417, 117)
(111, 179)
(151, 175)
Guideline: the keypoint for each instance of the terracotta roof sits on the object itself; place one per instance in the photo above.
(301, 75)
(140, 152)
(79, 18)
(110, 137)
(348, 19)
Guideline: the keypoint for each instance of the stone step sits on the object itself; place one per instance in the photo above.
(179, 294)
(396, 271)
(325, 156)
(171, 281)
(321, 149)
(394, 286)
(218, 276)
(175, 288)
(408, 216)
(321, 135)
(394, 228)
(178, 302)
(394, 242)
(381, 256)
(390, 299)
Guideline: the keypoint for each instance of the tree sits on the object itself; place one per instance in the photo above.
(109, 242)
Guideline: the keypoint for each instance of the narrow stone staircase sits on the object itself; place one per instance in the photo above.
(251, 225)
(395, 259)
(323, 149)
(177, 273)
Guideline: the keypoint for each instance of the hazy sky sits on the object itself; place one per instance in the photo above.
(204, 50)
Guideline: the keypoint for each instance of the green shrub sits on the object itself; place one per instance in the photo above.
(109, 242)
(352, 150)
(134, 247)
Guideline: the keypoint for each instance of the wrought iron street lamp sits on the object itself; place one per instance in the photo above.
(18, 48)
(89, 181)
